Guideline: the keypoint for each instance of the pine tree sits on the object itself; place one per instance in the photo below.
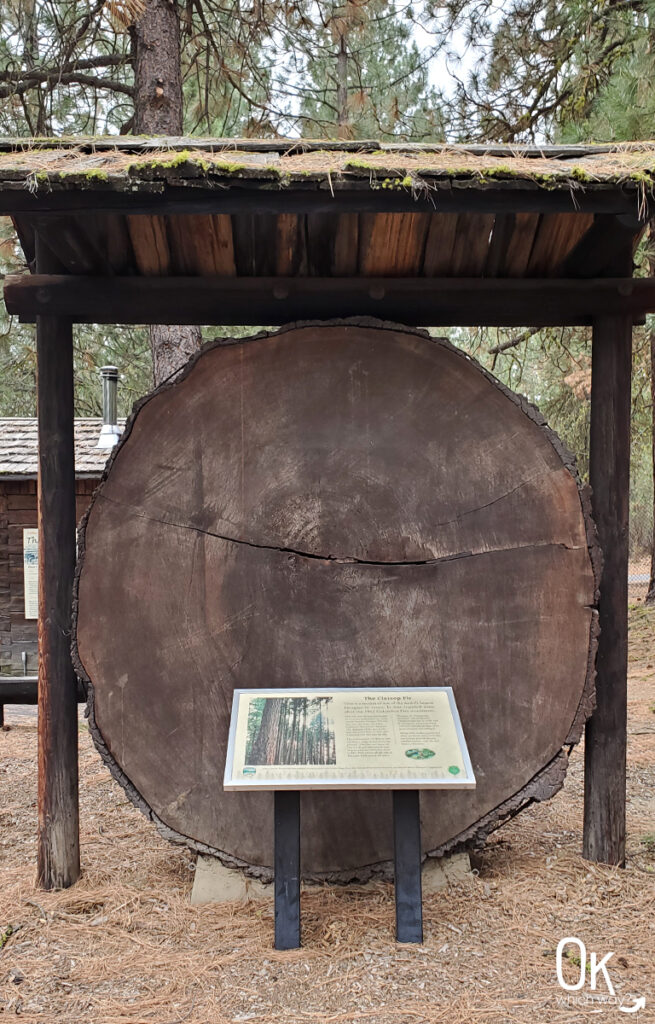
(363, 76)
(538, 63)
(624, 109)
(63, 69)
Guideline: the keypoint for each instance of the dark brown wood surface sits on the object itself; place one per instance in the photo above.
(255, 300)
(58, 845)
(300, 197)
(479, 243)
(340, 504)
(609, 470)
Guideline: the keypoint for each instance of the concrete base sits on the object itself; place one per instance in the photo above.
(440, 872)
(214, 883)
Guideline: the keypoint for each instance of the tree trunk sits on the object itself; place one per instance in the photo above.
(158, 111)
(157, 71)
(304, 730)
(294, 734)
(171, 347)
(279, 740)
(263, 751)
(342, 87)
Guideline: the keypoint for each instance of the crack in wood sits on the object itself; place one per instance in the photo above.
(338, 559)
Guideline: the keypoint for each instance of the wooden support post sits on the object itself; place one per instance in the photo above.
(58, 814)
(287, 869)
(407, 865)
(609, 472)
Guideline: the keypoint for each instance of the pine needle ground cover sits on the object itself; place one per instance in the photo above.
(124, 946)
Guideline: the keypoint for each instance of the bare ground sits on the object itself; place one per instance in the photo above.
(124, 946)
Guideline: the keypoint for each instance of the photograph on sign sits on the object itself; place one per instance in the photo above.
(381, 737)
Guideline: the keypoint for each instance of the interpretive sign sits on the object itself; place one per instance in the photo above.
(347, 738)
(31, 572)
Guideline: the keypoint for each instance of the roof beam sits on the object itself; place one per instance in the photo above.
(254, 196)
(277, 300)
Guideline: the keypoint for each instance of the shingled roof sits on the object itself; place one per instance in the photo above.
(128, 163)
(19, 447)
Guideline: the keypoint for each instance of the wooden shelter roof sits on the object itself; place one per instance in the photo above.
(122, 163)
(226, 209)
(19, 447)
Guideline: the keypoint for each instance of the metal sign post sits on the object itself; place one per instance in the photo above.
(407, 865)
(401, 739)
(286, 815)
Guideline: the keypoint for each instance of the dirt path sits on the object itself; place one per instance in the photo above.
(125, 947)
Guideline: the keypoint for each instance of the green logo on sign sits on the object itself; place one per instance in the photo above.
(419, 753)
(454, 770)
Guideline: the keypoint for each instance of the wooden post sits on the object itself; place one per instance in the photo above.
(287, 868)
(407, 865)
(609, 472)
(58, 814)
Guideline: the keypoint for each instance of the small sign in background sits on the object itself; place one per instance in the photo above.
(31, 572)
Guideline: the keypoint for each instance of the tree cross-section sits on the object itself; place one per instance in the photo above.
(346, 503)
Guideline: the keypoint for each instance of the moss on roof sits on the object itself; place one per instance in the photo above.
(129, 164)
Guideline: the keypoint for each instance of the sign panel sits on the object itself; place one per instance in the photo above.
(31, 572)
(347, 738)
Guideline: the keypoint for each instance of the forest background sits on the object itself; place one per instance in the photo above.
(460, 71)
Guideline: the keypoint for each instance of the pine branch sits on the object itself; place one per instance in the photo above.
(35, 76)
(513, 342)
(71, 78)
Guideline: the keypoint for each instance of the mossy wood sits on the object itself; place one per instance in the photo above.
(335, 504)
